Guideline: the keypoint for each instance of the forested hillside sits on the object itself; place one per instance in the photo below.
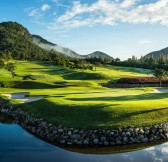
(16, 42)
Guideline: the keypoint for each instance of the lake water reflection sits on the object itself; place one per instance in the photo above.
(17, 145)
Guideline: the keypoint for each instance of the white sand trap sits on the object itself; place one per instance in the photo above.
(160, 90)
(22, 97)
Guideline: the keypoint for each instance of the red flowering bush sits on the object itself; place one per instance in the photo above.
(140, 80)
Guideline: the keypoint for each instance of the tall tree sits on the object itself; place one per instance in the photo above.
(11, 66)
(96, 64)
(2, 64)
(160, 74)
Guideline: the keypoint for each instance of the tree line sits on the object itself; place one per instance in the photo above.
(149, 62)
(159, 65)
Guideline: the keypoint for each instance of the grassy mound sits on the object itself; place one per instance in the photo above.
(85, 76)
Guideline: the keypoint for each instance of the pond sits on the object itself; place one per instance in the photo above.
(17, 145)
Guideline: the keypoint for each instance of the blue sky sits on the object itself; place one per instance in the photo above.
(120, 28)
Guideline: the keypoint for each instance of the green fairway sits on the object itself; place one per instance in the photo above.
(75, 99)
(102, 108)
(48, 71)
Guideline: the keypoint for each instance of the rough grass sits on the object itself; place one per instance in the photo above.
(81, 102)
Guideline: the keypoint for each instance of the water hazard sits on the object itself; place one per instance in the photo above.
(18, 145)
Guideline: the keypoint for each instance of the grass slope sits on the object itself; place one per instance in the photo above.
(102, 108)
(82, 102)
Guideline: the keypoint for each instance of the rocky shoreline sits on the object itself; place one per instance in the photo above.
(83, 137)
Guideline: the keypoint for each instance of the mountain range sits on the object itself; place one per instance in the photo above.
(156, 54)
(46, 45)
(16, 40)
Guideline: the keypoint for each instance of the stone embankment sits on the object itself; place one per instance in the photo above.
(83, 137)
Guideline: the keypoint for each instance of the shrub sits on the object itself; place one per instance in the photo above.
(8, 84)
(140, 80)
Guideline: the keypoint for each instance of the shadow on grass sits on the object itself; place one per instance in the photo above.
(86, 116)
(68, 74)
(33, 85)
(75, 93)
(84, 76)
(128, 115)
(151, 96)
(52, 69)
(70, 115)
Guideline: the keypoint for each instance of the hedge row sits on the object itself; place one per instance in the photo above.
(140, 80)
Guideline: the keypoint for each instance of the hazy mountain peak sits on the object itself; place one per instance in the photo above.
(157, 54)
(98, 54)
(43, 43)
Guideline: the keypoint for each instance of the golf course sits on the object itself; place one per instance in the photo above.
(74, 98)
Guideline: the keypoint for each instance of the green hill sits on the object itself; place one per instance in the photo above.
(16, 42)
(99, 54)
(157, 54)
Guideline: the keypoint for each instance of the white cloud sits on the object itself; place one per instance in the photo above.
(112, 12)
(128, 3)
(60, 4)
(54, 13)
(33, 12)
(45, 7)
(145, 41)
(37, 12)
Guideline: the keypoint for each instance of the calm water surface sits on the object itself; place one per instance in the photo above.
(17, 145)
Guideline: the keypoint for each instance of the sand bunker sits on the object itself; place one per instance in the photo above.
(22, 97)
(160, 90)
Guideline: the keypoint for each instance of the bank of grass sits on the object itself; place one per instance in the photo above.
(75, 99)
(102, 108)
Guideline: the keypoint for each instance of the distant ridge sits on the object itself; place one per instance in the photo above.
(46, 45)
(43, 43)
(157, 54)
(98, 54)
